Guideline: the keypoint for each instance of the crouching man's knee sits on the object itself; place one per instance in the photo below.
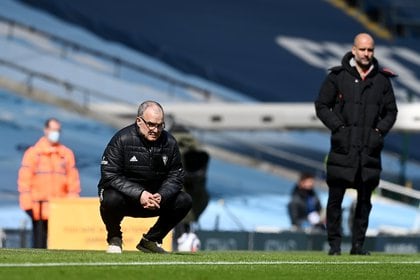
(111, 199)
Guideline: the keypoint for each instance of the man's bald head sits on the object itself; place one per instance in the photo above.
(363, 38)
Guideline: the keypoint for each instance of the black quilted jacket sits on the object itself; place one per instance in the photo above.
(131, 164)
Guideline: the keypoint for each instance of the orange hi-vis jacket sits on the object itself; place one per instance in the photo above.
(46, 172)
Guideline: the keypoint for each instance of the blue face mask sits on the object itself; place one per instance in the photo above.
(54, 136)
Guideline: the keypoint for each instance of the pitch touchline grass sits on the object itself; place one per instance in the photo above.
(201, 263)
(38, 264)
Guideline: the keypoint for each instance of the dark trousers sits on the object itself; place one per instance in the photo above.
(115, 206)
(39, 233)
(361, 215)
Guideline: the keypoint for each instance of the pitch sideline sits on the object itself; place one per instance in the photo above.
(201, 263)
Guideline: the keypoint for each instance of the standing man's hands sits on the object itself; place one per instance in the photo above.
(150, 201)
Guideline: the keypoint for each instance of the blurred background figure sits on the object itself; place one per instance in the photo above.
(188, 241)
(304, 207)
(2, 238)
(48, 170)
(195, 161)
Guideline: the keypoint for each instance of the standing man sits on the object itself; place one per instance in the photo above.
(48, 170)
(356, 103)
(142, 176)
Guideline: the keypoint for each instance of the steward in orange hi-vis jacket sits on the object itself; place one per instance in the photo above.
(48, 170)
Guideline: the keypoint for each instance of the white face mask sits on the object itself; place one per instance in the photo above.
(54, 136)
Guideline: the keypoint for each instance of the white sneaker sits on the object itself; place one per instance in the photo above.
(115, 246)
(114, 249)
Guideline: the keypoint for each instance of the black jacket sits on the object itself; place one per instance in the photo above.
(352, 109)
(131, 164)
(302, 202)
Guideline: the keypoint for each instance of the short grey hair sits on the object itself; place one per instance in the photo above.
(146, 104)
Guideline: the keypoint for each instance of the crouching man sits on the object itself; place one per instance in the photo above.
(142, 176)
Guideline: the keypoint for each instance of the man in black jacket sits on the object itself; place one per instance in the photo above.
(304, 207)
(142, 176)
(356, 103)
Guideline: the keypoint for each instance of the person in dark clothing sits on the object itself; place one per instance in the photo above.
(142, 176)
(305, 207)
(195, 161)
(357, 104)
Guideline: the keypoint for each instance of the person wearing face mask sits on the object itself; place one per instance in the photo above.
(142, 176)
(48, 170)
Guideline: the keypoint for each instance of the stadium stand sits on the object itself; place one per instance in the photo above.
(232, 186)
(402, 17)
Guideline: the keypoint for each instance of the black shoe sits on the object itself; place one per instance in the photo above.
(359, 251)
(334, 252)
(148, 246)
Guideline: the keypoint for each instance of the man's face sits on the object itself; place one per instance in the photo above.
(52, 132)
(363, 51)
(307, 184)
(151, 123)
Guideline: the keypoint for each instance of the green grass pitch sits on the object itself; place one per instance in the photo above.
(31, 264)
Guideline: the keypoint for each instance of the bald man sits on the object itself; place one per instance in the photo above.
(142, 176)
(356, 103)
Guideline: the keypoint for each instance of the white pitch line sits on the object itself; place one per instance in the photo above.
(198, 263)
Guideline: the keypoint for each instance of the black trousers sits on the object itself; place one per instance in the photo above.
(115, 206)
(39, 233)
(361, 215)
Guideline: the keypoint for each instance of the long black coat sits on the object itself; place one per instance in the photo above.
(352, 108)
